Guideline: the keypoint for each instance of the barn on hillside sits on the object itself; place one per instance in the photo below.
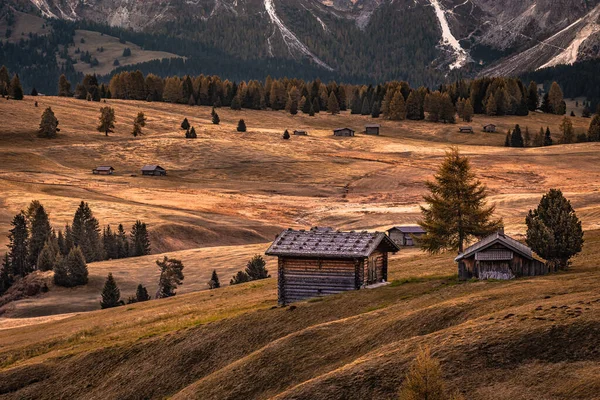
(154, 170)
(372, 129)
(405, 235)
(498, 256)
(322, 261)
(103, 170)
(490, 128)
(300, 132)
(465, 129)
(343, 132)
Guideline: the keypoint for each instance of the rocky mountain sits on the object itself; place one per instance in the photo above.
(376, 39)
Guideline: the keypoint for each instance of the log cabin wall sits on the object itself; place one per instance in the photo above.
(503, 269)
(303, 278)
(373, 270)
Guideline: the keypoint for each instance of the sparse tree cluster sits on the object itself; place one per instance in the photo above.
(255, 270)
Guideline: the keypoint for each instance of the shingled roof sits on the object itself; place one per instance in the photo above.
(328, 243)
(409, 229)
(104, 168)
(494, 238)
(151, 167)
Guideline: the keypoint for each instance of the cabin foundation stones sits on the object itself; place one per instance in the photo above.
(322, 261)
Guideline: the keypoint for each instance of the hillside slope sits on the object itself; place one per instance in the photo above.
(528, 338)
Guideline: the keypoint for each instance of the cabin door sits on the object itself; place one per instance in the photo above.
(372, 271)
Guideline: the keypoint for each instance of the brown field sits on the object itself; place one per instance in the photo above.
(225, 197)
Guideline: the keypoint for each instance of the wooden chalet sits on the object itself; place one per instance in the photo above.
(322, 261)
(372, 129)
(465, 129)
(491, 128)
(300, 133)
(498, 256)
(343, 132)
(154, 170)
(405, 235)
(103, 170)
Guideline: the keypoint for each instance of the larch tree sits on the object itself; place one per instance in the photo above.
(555, 99)
(48, 124)
(64, 86)
(553, 230)
(567, 131)
(397, 107)
(15, 88)
(138, 123)
(594, 129)
(333, 106)
(456, 207)
(111, 295)
(107, 120)
(468, 111)
(526, 137)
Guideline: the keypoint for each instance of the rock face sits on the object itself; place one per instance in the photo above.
(500, 37)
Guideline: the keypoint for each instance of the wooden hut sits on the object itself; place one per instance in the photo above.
(405, 235)
(343, 132)
(465, 129)
(498, 256)
(300, 133)
(323, 261)
(154, 170)
(103, 170)
(491, 128)
(372, 129)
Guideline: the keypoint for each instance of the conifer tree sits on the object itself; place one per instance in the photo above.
(191, 134)
(316, 106)
(516, 139)
(107, 120)
(239, 277)
(68, 245)
(171, 275)
(18, 246)
(6, 279)
(508, 138)
(533, 98)
(255, 268)
(286, 135)
(48, 124)
(215, 117)
(397, 107)
(111, 295)
(305, 105)
(185, 125)
(34, 92)
(566, 128)
(366, 108)
(72, 270)
(122, 242)
(141, 293)
(538, 141)
(413, 111)
(241, 126)
(61, 275)
(214, 282)
(491, 107)
(109, 241)
(553, 230)
(375, 110)
(548, 138)
(311, 111)
(40, 231)
(333, 106)
(236, 103)
(140, 241)
(555, 99)
(467, 111)
(15, 88)
(47, 258)
(457, 210)
(64, 87)
(594, 129)
(4, 80)
(526, 137)
(86, 233)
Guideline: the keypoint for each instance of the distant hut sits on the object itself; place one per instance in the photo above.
(491, 128)
(372, 129)
(405, 235)
(466, 129)
(154, 170)
(300, 133)
(103, 170)
(498, 256)
(343, 132)
(323, 261)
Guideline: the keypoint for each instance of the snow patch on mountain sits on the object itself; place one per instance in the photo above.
(44, 8)
(461, 56)
(291, 40)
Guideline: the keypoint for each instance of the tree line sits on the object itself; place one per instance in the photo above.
(35, 246)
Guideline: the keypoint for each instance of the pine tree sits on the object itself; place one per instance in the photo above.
(64, 87)
(594, 129)
(18, 246)
(6, 279)
(141, 293)
(457, 209)
(468, 111)
(171, 275)
(107, 120)
(110, 243)
(122, 242)
(239, 277)
(140, 241)
(548, 138)
(236, 103)
(533, 98)
(413, 106)
(48, 124)
(4, 81)
(86, 233)
(491, 107)
(316, 106)
(311, 111)
(69, 243)
(61, 275)
(71, 271)
(214, 280)
(191, 133)
(375, 111)
(255, 268)
(333, 106)
(566, 128)
(366, 108)
(15, 88)
(286, 135)
(111, 295)
(508, 138)
(241, 126)
(516, 139)
(553, 230)
(185, 125)
(526, 137)
(138, 123)
(215, 117)
(40, 231)
(34, 92)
